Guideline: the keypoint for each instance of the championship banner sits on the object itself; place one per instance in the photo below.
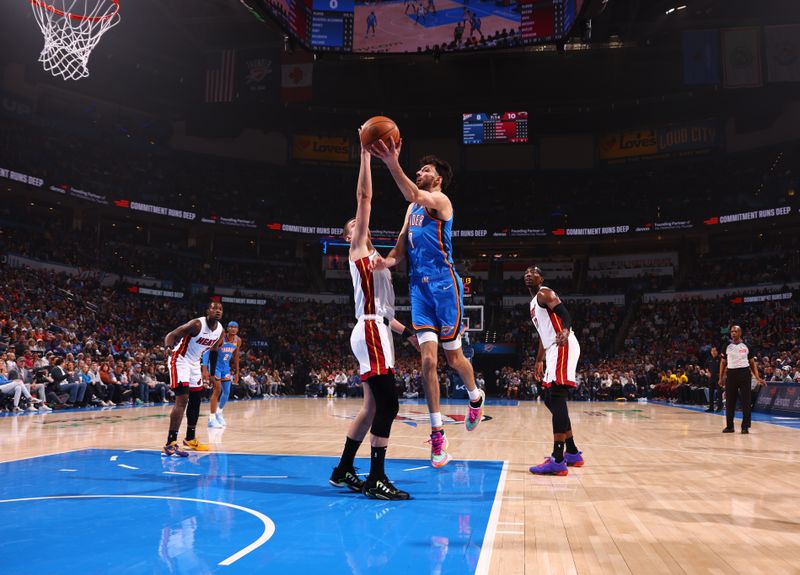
(321, 149)
(741, 51)
(783, 53)
(258, 75)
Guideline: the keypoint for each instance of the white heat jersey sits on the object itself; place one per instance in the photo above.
(547, 323)
(191, 349)
(373, 291)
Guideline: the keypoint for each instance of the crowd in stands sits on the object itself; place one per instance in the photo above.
(73, 342)
(778, 267)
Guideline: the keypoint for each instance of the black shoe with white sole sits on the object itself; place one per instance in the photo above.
(347, 478)
(383, 489)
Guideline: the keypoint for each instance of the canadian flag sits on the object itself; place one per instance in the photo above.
(296, 77)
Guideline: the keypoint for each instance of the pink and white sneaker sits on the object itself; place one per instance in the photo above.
(439, 456)
(475, 414)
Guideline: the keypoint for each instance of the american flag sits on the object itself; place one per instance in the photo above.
(221, 77)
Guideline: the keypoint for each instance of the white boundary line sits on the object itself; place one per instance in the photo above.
(328, 455)
(269, 526)
(265, 477)
(485, 558)
(180, 473)
(45, 455)
(126, 466)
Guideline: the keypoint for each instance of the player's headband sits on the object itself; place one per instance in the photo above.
(233, 324)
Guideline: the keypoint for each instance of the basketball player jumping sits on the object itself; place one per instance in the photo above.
(227, 353)
(437, 293)
(188, 343)
(371, 341)
(559, 346)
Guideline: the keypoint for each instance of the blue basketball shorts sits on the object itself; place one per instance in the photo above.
(437, 305)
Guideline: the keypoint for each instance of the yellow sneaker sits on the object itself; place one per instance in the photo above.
(196, 445)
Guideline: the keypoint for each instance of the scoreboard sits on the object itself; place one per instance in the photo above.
(540, 21)
(496, 128)
(340, 25)
(332, 25)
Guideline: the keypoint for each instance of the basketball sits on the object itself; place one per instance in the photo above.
(379, 128)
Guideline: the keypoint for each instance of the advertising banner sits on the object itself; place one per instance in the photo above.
(321, 149)
(674, 140)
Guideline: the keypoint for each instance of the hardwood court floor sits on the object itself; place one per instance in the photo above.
(663, 491)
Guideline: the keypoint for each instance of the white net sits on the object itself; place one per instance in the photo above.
(72, 29)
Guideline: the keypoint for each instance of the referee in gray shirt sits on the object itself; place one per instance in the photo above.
(738, 362)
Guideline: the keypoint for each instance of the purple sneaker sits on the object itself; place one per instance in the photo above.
(550, 467)
(172, 450)
(574, 459)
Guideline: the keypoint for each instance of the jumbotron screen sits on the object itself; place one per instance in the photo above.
(410, 26)
(496, 128)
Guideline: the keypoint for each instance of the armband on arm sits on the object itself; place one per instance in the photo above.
(407, 333)
(561, 311)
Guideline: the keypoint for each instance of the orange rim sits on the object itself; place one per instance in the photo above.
(78, 17)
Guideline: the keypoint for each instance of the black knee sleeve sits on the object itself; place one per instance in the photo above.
(193, 409)
(386, 404)
(557, 404)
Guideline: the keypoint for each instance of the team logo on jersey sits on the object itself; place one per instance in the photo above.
(412, 418)
(204, 341)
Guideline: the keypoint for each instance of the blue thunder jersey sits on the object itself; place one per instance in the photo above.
(224, 355)
(435, 289)
(430, 245)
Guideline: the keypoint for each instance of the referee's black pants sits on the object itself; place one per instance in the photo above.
(737, 386)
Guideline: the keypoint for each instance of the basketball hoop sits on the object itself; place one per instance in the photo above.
(71, 34)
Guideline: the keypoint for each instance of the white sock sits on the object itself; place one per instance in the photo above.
(436, 419)
(219, 411)
(474, 394)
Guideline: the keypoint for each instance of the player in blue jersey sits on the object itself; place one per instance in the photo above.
(436, 290)
(225, 370)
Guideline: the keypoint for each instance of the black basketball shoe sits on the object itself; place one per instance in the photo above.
(347, 478)
(383, 489)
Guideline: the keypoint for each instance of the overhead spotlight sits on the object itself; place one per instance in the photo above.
(670, 11)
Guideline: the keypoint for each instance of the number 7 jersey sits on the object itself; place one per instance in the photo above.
(430, 244)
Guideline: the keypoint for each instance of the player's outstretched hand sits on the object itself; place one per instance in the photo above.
(562, 337)
(386, 153)
(377, 264)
